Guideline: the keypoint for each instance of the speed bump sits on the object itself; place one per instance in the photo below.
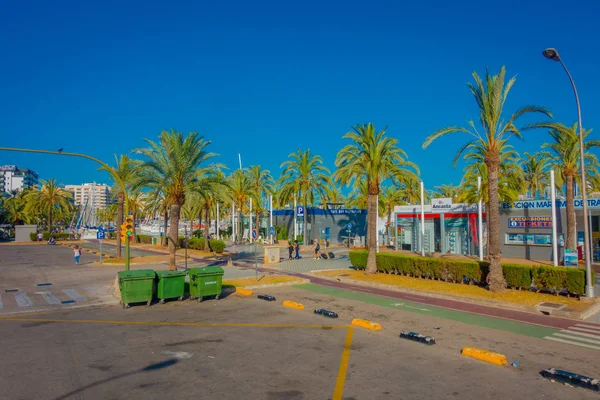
(293, 304)
(363, 323)
(484, 355)
(244, 292)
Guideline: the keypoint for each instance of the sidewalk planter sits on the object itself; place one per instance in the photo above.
(205, 281)
(136, 286)
(170, 285)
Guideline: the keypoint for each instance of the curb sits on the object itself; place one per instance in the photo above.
(293, 304)
(364, 323)
(271, 285)
(243, 292)
(484, 355)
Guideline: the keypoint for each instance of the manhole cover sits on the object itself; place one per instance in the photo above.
(556, 306)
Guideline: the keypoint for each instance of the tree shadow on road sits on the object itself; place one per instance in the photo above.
(151, 367)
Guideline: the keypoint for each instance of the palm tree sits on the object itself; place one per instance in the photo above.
(411, 190)
(565, 159)
(15, 210)
(135, 200)
(448, 191)
(157, 203)
(173, 161)
(375, 158)
(48, 199)
(535, 172)
(334, 195)
(240, 192)
(390, 196)
(262, 185)
(305, 178)
(124, 169)
(491, 97)
(359, 197)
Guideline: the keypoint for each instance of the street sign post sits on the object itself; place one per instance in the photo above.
(100, 235)
(255, 255)
(272, 231)
(300, 211)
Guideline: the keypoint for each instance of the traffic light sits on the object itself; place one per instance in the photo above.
(127, 229)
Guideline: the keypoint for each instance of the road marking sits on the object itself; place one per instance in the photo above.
(341, 378)
(180, 355)
(23, 300)
(163, 323)
(576, 328)
(1, 306)
(562, 335)
(49, 297)
(582, 334)
(72, 293)
(589, 346)
(407, 306)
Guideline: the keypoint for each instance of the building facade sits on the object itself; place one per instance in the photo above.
(93, 195)
(16, 178)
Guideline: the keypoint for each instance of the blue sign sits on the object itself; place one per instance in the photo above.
(253, 233)
(300, 211)
(327, 233)
(349, 226)
(100, 234)
(272, 231)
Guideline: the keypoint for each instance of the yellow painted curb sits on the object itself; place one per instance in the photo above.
(244, 292)
(293, 304)
(363, 323)
(484, 355)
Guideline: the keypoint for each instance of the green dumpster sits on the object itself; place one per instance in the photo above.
(170, 285)
(136, 286)
(205, 281)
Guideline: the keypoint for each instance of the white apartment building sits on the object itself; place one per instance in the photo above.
(94, 195)
(15, 178)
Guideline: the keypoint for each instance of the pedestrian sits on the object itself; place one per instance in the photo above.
(291, 250)
(40, 237)
(297, 250)
(76, 254)
(317, 249)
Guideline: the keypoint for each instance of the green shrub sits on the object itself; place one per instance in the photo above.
(517, 276)
(144, 239)
(57, 236)
(196, 243)
(218, 246)
(281, 232)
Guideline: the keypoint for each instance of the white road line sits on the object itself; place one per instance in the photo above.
(49, 297)
(72, 293)
(581, 339)
(581, 334)
(569, 342)
(576, 328)
(23, 300)
(1, 306)
(589, 326)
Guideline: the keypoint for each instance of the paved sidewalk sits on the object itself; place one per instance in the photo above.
(306, 265)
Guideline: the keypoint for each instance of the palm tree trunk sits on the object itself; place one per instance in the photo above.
(206, 226)
(174, 235)
(495, 278)
(304, 223)
(165, 223)
(389, 223)
(50, 219)
(257, 222)
(120, 202)
(570, 213)
(371, 233)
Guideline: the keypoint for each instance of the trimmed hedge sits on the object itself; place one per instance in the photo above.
(517, 276)
(57, 236)
(218, 246)
(144, 239)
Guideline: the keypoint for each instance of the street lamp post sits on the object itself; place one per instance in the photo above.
(552, 54)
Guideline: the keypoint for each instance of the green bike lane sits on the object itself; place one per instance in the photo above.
(499, 324)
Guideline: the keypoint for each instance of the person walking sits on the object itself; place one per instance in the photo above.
(290, 250)
(76, 254)
(297, 248)
(317, 249)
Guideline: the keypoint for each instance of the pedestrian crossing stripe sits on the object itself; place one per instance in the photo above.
(583, 334)
(1, 306)
(22, 299)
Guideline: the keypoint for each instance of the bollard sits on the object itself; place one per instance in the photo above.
(293, 304)
(326, 313)
(363, 323)
(572, 379)
(484, 355)
(417, 337)
(266, 297)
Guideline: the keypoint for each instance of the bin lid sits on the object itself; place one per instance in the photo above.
(166, 274)
(212, 270)
(137, 274)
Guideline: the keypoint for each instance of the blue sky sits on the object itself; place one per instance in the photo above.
(265, 78)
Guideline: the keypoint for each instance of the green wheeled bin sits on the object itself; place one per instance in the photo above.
(170, 285)
(136, 286)
(205, 281)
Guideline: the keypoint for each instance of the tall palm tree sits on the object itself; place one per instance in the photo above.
(390, 196)
(173, 161)
(240, 192)
(449, 191)
(15, 210)
(359, 197)
(305, 178)
(375, 158)
(565, 159)
(50, 198)
(124, 169)
(135, 200)
(334, 195)
(157, 203)
(411, 190)
(490, 97)
(210, 189)
(263, 185)
(535, 172)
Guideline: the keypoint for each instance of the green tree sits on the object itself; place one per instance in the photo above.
(449, 191)
(15, 211)
(304, 178)
(535, 172)
(174, 162)
(390, 196)
(240, 192)
(124, 169)
(375, 158)
(48, 200)
(565, 160)
(263, 185)
(490, 97)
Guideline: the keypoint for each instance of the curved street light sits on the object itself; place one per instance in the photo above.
(552, 54)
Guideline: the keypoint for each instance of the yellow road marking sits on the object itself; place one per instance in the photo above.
(197, 324)
(341, 378)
